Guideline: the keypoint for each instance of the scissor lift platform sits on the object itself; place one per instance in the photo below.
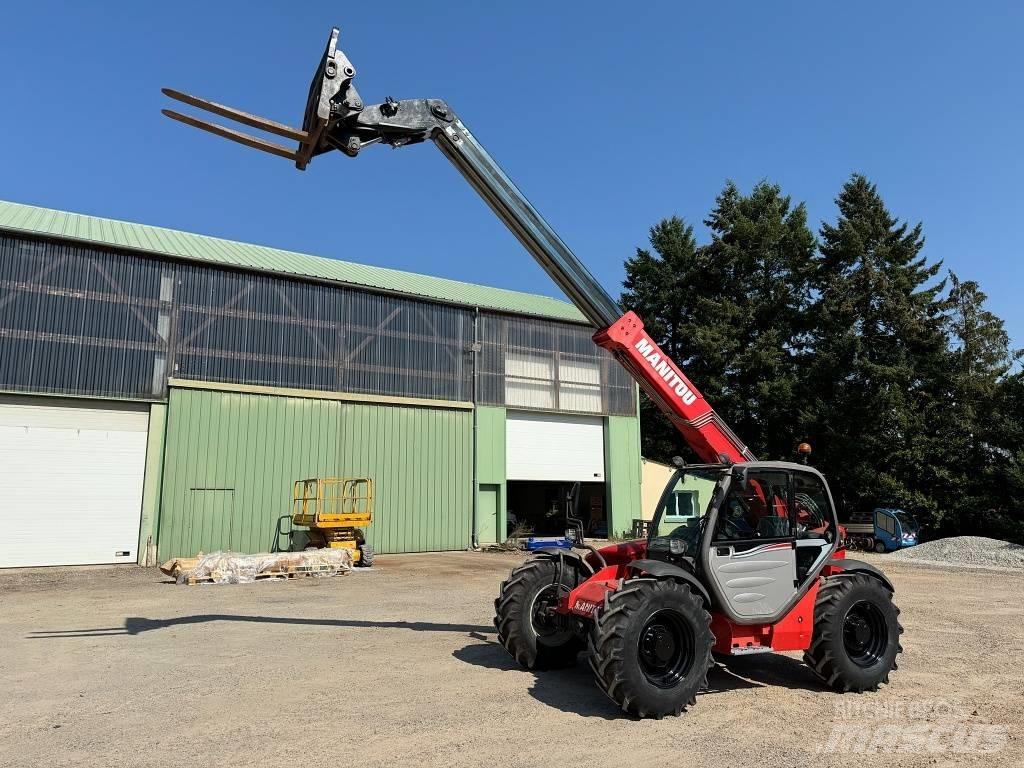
(335, 510)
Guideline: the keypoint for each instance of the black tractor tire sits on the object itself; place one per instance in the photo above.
(879, 547)
(534, 639)
(365, 556)
(650, 647)
(856, 635)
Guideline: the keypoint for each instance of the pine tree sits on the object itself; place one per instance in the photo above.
(984, 419)
(729, 313)
(876, 382)
(662, 287)
(1007, 487)
(762, 251)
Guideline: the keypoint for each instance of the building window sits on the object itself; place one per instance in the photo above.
(530, 380)
(548, 365)
(579, 384)
(551, 381)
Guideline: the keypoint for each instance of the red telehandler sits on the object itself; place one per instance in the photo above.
(743, 556)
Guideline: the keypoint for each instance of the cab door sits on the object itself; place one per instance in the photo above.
(752, 558)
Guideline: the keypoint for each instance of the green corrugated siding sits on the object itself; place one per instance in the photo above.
(623, 470)
(153, 478)
(231, 458)
(490, 459)
(185, 245)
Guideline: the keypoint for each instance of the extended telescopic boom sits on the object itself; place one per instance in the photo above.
(336, 118)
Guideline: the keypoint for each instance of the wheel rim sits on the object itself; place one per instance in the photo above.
(665, 649)
(545, 624)
(865, 635)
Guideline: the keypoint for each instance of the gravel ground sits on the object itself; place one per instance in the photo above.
(398, 666)
(966, 550)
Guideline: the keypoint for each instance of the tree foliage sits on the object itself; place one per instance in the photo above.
(903, 382)
(872, 359)
(730, 312)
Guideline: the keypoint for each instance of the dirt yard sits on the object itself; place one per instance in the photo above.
(398, 666)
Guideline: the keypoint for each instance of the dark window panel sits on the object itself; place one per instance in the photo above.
(79, 320)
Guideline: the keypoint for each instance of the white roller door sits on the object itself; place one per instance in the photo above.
(554, 446)
(71, 479)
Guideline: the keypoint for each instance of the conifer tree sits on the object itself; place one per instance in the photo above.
(876, 382)
(729, 313)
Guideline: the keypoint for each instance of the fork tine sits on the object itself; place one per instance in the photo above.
(233, 135)
(253, 121)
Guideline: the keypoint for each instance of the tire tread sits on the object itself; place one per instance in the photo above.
(605, 646)
(821, 656)
(512, 634)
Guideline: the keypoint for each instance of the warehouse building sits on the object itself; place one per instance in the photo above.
(160, 391)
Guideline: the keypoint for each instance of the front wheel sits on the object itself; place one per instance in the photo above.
(650, 647)
(528, 628)
(856, 633)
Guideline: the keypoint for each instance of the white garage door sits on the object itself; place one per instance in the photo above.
(70, 482)
(550, 446)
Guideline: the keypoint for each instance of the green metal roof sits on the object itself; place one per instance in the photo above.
(29, 219)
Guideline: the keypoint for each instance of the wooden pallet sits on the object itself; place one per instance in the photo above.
(292, 572)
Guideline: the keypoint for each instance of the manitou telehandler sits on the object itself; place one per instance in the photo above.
(742, 557)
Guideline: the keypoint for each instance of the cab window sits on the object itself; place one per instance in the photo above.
(758, 509)
(813, 515)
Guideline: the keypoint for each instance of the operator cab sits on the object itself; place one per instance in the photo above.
(755, 533)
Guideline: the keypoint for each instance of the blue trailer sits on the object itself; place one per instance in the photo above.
(884, 530)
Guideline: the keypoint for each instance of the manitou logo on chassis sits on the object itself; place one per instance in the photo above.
(585, 607)
(663, 369)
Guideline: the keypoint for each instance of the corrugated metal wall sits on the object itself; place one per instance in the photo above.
(622, 467)
(250, 328)
(79, 321)
(46, 222)
(83, 321)
(230, 460)
(490, 467)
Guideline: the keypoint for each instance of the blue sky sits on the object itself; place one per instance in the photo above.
(609, 117)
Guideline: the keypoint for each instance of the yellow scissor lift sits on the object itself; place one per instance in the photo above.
(334, 509)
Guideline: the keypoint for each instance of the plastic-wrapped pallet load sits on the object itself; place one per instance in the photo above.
(235, 568)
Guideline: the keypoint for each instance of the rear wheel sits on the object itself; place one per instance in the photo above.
(856, 633)
(879, 547)
(365, 556)
(650, 647)
(527, 627)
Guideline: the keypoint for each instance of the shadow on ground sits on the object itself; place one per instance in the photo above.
(134, 625)
(568, 690)
(572, 690)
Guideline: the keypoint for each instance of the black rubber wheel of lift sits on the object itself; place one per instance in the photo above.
(365, 556)
(856, 633)
(526, 628)
(650, 647)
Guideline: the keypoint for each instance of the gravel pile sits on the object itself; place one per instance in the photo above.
(966, 550)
